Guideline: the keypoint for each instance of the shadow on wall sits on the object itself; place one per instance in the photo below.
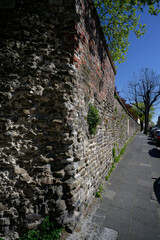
(156, 187)
(96, 36)
(154, 153)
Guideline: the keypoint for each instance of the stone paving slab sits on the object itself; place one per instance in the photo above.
(127, 187)
(100, 212)
(145, 204)
(145, 183)
(153, 196)
(143, 231)
(145, 216)
(105, 204)
(115, 224)
(90, 231)
(109, 194)
(133, 210)
(145, 165)
(126, 203)
(123, 215)
(155, 175)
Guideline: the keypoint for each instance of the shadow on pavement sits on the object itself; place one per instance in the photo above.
(154, 153)
(151, 143)
(156, 187)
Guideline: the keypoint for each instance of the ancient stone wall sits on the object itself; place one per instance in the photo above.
(36, 93)
(124, 125)
(54, 62)
(95, 75)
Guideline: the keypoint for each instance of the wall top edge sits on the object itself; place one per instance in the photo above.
(102, 34)
(122, 104)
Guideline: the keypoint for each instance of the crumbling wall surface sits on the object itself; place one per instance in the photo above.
(124, 125)
(36, 82)
(95, 74)
(54, 63)
(121, 128)
(133, 127)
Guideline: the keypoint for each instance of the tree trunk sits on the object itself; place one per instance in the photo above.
(141, 124)
(146, 122)
(147, 111)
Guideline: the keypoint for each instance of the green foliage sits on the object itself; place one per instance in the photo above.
(110, 171)
(98, 194)
(152, 124)
(118, 19)
(114, 152)
(122, 150)
(141, 114)
(117, 158)
(101, 188)
(117, 123)
(47, 231)
(116, 110)
(93, 119)
(144, 89)
(107, 177)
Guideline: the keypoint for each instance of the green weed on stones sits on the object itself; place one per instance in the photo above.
(93, 119)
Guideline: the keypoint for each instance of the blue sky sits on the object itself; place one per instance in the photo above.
(143, 52)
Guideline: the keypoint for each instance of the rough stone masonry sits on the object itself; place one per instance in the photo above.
(54, 62)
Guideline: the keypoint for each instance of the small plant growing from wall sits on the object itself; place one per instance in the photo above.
(46, 231)
(93, 119)
(116, 96)
(98, 193)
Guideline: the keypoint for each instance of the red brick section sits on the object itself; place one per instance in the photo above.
(92, 56)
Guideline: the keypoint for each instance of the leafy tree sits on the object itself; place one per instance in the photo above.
(137, 112)
(140, 114)
(119, 18)
(144, 91)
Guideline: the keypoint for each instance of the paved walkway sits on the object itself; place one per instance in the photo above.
(128, 203)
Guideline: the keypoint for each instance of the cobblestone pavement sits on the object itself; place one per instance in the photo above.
(129, 202)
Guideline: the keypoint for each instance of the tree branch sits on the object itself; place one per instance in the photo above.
(154, 99)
